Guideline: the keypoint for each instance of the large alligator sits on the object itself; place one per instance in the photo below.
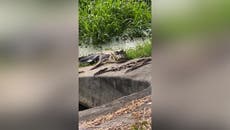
(105, 57)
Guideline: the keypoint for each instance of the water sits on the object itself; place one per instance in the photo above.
(114, 45)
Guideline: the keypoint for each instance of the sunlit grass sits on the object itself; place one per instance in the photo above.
(142, 50)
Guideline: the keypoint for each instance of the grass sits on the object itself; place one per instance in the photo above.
(84, 64)
(100, 21)
(142, 50)
(140, 126)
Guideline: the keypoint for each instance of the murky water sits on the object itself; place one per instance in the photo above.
(115, 45)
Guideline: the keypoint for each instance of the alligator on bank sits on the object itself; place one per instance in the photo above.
(109, 57)
(105, 57)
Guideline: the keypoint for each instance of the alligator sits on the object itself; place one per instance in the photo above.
(105, 57)
(111, 57)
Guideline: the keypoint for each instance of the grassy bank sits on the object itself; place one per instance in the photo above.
(102, 20)
(142, 50)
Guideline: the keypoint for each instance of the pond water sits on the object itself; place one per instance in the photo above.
(114, 45)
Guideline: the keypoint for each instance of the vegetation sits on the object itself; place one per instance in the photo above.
(100, 21)
(142, 50)
(84, 64)
(140, 126)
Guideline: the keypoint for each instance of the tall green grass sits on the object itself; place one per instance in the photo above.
(142, 50)
(102, 20)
